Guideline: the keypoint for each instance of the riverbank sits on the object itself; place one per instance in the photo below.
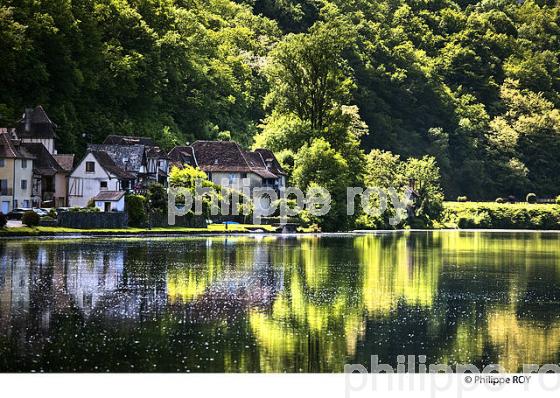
(456, 215)
(489, 215)
(211, 229)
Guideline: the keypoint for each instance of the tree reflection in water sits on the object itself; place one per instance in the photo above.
(279, 304)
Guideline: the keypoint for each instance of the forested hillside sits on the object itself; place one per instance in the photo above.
(475, 84)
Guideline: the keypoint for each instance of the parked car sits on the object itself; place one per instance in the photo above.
(16, 214)
(41, 212)
(62, 209)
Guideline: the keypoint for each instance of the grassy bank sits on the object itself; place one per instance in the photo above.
(500, 216)
(212, 229)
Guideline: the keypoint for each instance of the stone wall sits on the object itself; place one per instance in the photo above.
(74, 219)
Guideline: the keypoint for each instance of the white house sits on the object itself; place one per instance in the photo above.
(109, 201)
(96, 173)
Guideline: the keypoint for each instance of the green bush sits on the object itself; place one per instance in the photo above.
(531, 198)
(502, 216)
(3, 220)
(462, 199)
(30, 218)
(136, 209)
(53, 214)
(558, 200)
(500, 200)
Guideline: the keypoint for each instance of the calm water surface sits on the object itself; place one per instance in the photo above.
(279, 304)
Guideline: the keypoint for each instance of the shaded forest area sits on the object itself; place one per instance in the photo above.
(473, 84)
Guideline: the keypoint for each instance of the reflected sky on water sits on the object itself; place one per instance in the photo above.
(279, 304)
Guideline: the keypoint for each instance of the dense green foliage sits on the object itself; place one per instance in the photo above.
(136, 209)
(501, 216)
(30, 218)
(388, 171)
(474, 84)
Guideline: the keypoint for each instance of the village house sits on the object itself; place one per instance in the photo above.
(155, 163)
(96, 172)
(16, 174)
(49, 178)
(107, 201)
(120, 164)
(226, 163)
(35, 134)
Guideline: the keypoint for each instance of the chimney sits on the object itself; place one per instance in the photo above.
(27, 119)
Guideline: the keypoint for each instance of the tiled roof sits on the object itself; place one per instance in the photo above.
(258, 166)
(66, 161)
(12, 149)
(109, 195)
(44, 164)
(129, 158)
(227, 156)
(128, 140)
(35, 124)
(182, 155)
(109, 165)
(271, 161)
(156, 152)
(220, 156)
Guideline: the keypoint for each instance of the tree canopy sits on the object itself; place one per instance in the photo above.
(473, 84)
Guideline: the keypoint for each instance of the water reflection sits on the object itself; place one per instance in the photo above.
(276, 304)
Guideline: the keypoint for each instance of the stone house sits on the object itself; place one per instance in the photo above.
(227, 164)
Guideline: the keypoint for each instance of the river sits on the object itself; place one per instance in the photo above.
(271, 303)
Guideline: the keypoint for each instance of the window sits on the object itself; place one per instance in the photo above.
(25, 204)
(4, 187)
(23, 163)
(23, 184)
(90, 167)
(2, 162)
(103, 184)
(243, 175)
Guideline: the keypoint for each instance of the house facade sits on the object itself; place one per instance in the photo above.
(107, 201)
(16, 174)
(154, 164)
(227, 164)
(49, 178)
(35, 133)
(95, 173)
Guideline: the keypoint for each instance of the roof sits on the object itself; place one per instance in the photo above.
(66, 161)
(128, 140)
(109, 195)
(35, 124)
(129, 158)
(227, 156)
(12, 149)
(182, 155)
(109, 165)
(270, 161)
(258, 166)
(220, 156)
(44, 164)
(156, 152)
